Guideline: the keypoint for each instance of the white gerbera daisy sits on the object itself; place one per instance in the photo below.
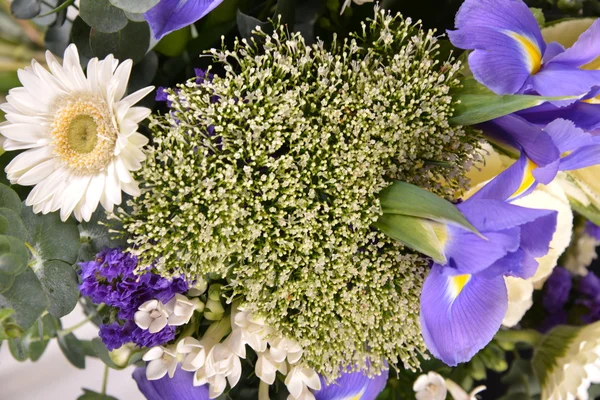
(80, 132)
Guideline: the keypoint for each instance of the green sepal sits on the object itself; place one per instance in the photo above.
(410, 200)
(416, 233)
(476, 104)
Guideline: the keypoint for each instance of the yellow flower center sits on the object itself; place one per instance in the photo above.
(84, 135)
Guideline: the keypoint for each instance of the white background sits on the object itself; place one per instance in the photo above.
(52, 377)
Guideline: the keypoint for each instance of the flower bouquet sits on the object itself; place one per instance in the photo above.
(306, 200)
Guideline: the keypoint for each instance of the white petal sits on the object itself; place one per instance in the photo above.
(235, 372)
(26, 133)
(158, 324)
(92, 75)
(27, 160)
(120, 79)
(12, 145)
(38, 173)
(122, 171)
(16, 118)
(135, 97)
(24, 103)
(75, 191)
(137, 114)
(156, 369)
(142, 319)
(113, 186)
(131, 188)
(312, 379)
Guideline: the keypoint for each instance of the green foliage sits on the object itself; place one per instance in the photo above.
(134, 6)
(72, 348)
(553, 346)
(477, 104)
(102, 16)
(91, 395)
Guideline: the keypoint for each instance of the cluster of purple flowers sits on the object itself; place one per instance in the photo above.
(110, 279)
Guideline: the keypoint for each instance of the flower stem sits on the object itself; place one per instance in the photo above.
(58, 9)
(263, 391)
(105, 380)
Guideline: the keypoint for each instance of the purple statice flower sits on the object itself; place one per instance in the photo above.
(170, 15)
(556, 290)
(589, 289)
(592, 230)
(161, 94)
(110, 279)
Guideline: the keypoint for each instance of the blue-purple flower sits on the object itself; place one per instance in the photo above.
(170, 15)
(464, 301)
(179, 387)
(510, 56)
(559, 146)
(353, 386)
(110, 279)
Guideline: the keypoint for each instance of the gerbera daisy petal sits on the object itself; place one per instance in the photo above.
(136, 96)
(81, 151)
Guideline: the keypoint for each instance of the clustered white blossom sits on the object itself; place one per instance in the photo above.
(268, 175)
(216, 362)
(154, 315)
(432, 386)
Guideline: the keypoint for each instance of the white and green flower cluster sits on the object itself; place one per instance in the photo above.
(268, 175)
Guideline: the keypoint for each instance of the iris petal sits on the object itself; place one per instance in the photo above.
(170, 15)
(455, 328)
(179, 387)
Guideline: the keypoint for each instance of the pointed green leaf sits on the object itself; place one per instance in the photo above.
(73, 350)
(416, 233)
(552, 347)
(406, 199)
(477, 104)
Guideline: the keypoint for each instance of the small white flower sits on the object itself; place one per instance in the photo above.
(152, 315)
(181, 309)
(430, 387)
(266, 367)
(198, 288)
(282, 348)
(459, 393)
(580, 256)
(299, 379)
(80, 134)
(162, 360)
(194, 352)
(221, 366)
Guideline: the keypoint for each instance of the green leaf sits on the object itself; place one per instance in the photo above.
(19, 352)
(134, 6)
(39, 335)
(7, 325)
(538, 13)
(246, 24)
(9, 199)
(60, 284)
(130, 42)
(94, 236)
(25, 297)
(73, 350)
(57, 38)
(552, 347)
(13, 255)
(51, 238)
(91, 395)
(15, 226)
(416, 233)
(103, 16)
(476, 104)
(6, 281)
(174, 43)
(406, 199)
(80, 36)
(25, 9)
(590, 212)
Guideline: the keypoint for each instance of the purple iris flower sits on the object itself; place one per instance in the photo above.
(510, 56)
(542, 151)
(170, 15)
(464, 301)
(353, 385)
(179, 387)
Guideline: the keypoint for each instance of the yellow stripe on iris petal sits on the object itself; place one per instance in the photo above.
(458, 283)
(528, 179)
(532, 52)
(356, 396)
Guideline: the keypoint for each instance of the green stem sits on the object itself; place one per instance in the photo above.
(105, 380)
(528, 336)
(64, 5)
(72, 328)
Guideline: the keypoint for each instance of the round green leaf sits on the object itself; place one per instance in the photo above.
(26, 297)
(15, 226)
(13, 255)
(95, 237)
(102, 16)
(4, 225)
(51, 238)
(25, 9)
(131, 42)
(6, 281)
(60, 284)
(9, 198)
(134, 6)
